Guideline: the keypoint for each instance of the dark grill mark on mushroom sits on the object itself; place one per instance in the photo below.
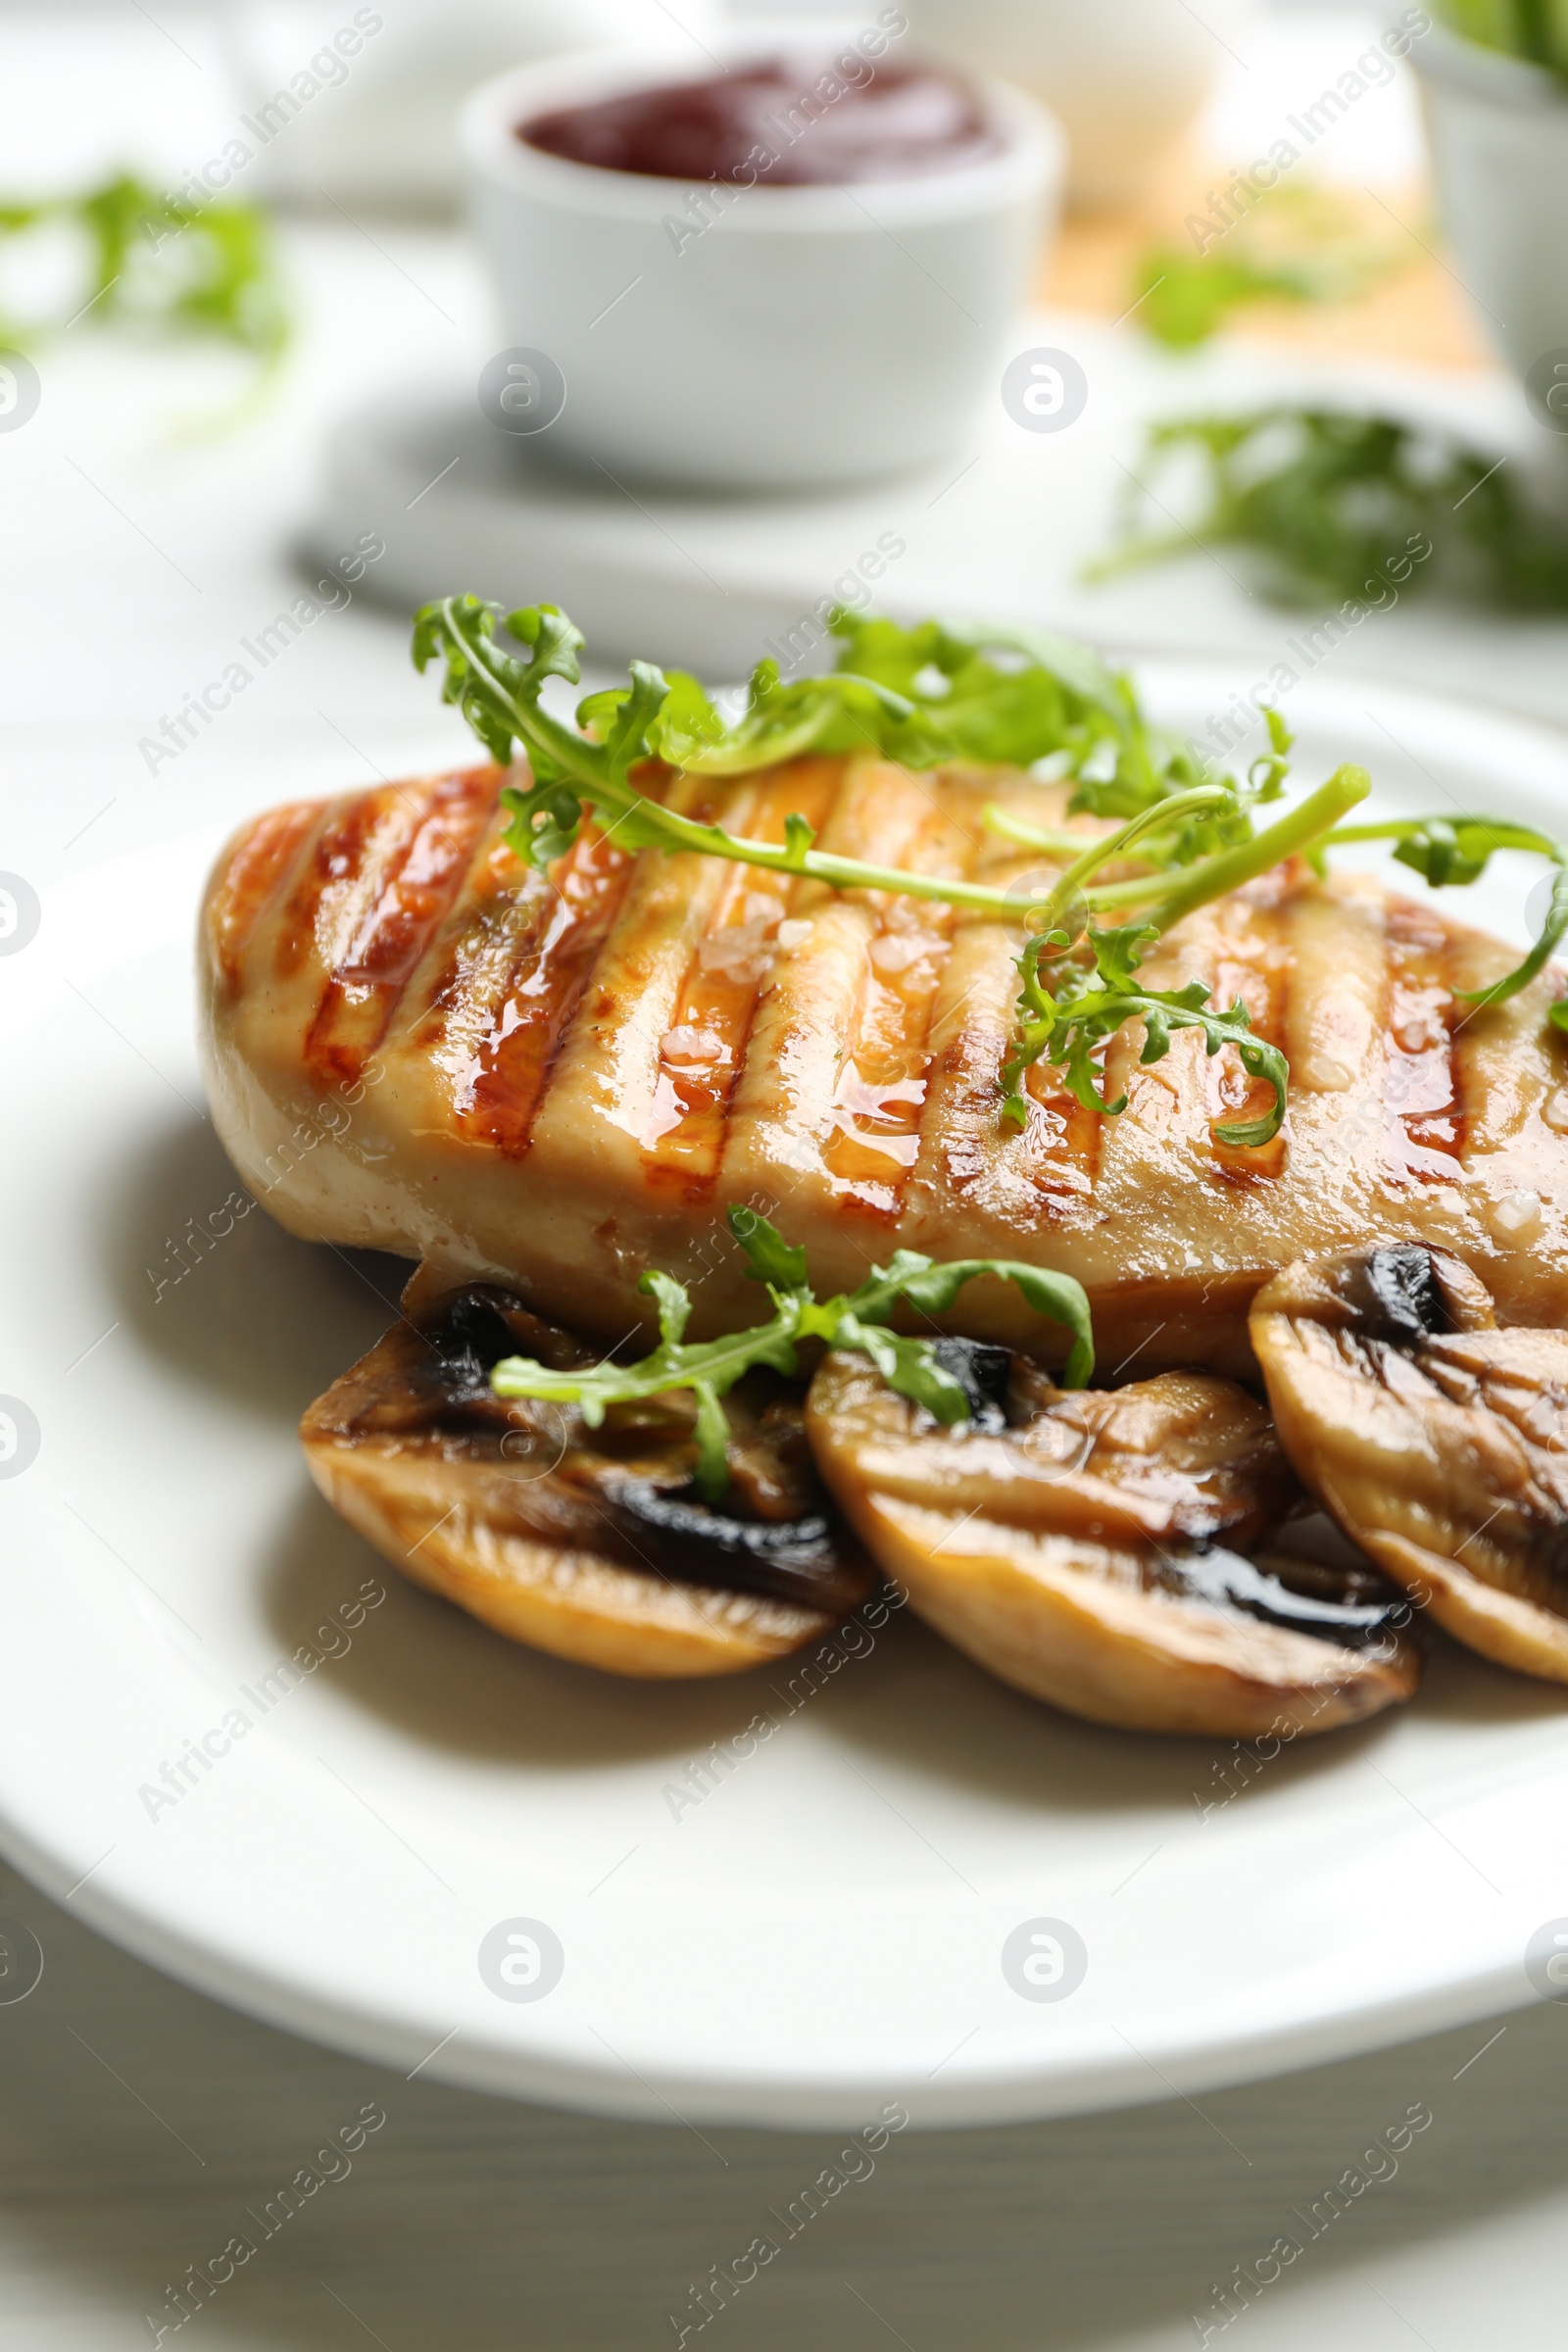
(1080, 1545)
(1405, 1286)
(1365, 1609)
(415, 1432)
(476, 1331)
(982, 1371)
(1438, 1442)
(796, 1559)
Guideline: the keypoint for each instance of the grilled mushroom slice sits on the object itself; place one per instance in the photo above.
(1438, 1442)
(1085, 1547)
(584, 1542)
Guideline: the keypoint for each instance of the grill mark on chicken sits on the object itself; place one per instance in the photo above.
(1062, 1142)
(1455, 1016)
(699, 1055)
(1255, 965)
(362, 993)
(969, 1018)
(605, 1087)
(356, 843)
(1168, 1120)
(264, 857)
(787, 1107)
(449, 1004)
(513, 1063)
(1514, 1102)
(1334, 1012)
(1066, 1138)
(703, 1050)
(970, 1023)
(883, 1083)
(1424, 1136)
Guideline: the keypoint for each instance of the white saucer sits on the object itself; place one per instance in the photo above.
(682, 579)
(1008, 527)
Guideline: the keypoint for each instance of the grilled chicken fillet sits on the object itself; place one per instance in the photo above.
(415, 1043)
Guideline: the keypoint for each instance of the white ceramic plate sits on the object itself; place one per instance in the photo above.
(823, 1930)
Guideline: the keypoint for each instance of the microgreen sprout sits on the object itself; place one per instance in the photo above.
(857, 1319)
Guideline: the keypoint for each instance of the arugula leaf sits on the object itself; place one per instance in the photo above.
(499, 694)
(855, 1319)
(930, 1285)
(1294, 244)
(1533, 28)
(942, 691)
(1185, 297)
(840, 713)
(950, 663)
(920, 696)
(1018, 696)
(162, 264)
(1091, 1003)
(1197, 832)
(769, 1257)
(1352, 509)
(909, 1366)
(1444, 852)
(1448, 853)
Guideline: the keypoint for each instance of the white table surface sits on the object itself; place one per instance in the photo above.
(137, 2120)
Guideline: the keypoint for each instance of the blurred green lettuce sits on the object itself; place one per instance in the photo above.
(1533, 28)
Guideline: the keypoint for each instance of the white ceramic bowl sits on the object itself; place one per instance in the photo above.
(1499, 128)
(808, 336)
(1124, 78)
(378, 130)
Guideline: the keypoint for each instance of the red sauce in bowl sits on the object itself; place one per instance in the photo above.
(781, 123)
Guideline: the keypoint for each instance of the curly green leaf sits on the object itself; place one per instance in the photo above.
(855, 1319)
(1450, 852)
(1070, 1029)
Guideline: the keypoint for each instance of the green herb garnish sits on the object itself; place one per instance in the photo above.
(1533, 28)
(1294, 244)
(1089, 1006)
(1203, 859)
(1055, 700)
(1036, 708)
(1450, 852)
(160, 264)
(1348, 508)
(923, 696)
(855, 1319)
